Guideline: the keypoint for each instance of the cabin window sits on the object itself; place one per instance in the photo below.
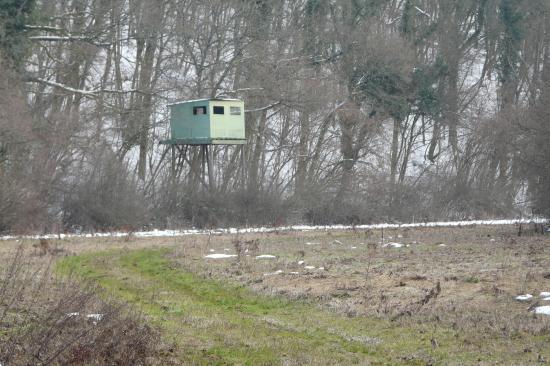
(235, 111)
(218, 109)
(199, 110)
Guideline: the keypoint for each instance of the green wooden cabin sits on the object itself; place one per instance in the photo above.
(215, 121)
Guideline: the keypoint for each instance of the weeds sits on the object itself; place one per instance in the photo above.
(48, 321)
(246, 247)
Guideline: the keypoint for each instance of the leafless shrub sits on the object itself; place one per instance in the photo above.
(244, 247)
(429, 296)
(47, 321)
(104, 197)
(21, 206)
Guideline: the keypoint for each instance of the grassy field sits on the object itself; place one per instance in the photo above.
(359, 301)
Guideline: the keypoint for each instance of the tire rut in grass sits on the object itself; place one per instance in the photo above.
(240, 333)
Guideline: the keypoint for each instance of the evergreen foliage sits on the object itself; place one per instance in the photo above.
(14, 15)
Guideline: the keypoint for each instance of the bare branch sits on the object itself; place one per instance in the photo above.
(263, 108)
(86, 93)
(422, 11)
(69, 39)
(44, 28)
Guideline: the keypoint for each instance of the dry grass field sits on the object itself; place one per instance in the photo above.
(467, 277)
(402, 296)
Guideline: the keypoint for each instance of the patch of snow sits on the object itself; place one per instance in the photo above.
(546, 298)
(72, 315)
(301, 262)
(95, 317)
(492, 240)
(525, 297)
(337, 242)
(226, 250)
(353, 247)
(544, 294)
(265, 256)
(308, 243)
(177, 233)
(309, 267)
(393, 245)
(211, 250)
(294, 273)
(442, 245)
(321, 268)
(219, 256)
(274, 273)
(399, 236)
(545, 310)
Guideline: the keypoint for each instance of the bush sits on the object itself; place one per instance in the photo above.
(22, 208)
(182, 207)
(104, 197)
(48, 321)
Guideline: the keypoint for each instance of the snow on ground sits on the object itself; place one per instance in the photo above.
(95, 317)
(525, 297)
(274, 273)
(265, 256)
(544, 294)
(176, 233)
(545, 310)
(393, 245)
(309, 267)
(219, 256)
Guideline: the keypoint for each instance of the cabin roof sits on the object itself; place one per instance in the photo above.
(204, 100)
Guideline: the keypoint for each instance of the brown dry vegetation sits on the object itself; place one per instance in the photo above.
(46, 320)
(468, 284)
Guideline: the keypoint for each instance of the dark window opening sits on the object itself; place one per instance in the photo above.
(199, 110)
(218, 110)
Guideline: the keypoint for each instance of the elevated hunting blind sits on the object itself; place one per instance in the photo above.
(214, 121)
(195, 125)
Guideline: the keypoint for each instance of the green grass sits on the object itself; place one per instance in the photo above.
(215, 323)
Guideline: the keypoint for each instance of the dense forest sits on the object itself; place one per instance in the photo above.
(357, 111)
